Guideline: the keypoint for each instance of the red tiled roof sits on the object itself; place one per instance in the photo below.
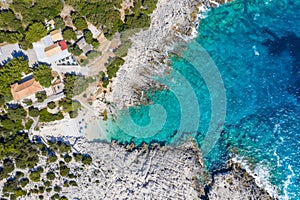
(63, 45)
(20, 91)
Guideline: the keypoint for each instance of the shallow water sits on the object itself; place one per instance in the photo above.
(255, 45)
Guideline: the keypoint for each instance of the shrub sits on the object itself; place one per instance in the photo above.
(50, 175)
(41, 96)
(35, 176)
(64, 170)
(67, 158)
(19, 192)
(51, 105)
(27, 102)
(57, 188)
(73, 183)
(52, 159)
(77, 156)
(73, 114)
(87, 159)
(24, 182)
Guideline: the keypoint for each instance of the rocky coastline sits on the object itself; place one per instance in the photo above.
(234, 182)
(171, 22)
(175, 22)
(159, 172)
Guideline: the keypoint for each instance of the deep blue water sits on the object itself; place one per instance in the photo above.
(255, 45)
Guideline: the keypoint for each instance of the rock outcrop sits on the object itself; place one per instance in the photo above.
(171, 22)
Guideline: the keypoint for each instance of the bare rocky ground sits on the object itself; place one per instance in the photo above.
(121, 173)
(235, 183)
(159, 172)
(171, 22)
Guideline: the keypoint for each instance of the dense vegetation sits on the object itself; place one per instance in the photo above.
(75, 85)
(112, 70)
(105, 14)
(42, 74)
(10, 73)
(24, 21)
(13, 120)
(79, 21)
(45, 116)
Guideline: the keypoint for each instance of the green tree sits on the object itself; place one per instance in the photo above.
(8, 21)
(57, 188)
(42, 74)
(34, 112)
(27, 102)
(69, 34)
(114, 66)
(80, 23)
(19, 192)
(35, 32)
(73, 114)
(88, 36)
(74, 85)
(59, 22)
(74, 49)
(11, 125)
(45, 116)
(73, 183)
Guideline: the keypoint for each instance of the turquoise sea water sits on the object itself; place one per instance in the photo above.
(255, 46)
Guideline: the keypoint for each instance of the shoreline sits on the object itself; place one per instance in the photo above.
(147, 57)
